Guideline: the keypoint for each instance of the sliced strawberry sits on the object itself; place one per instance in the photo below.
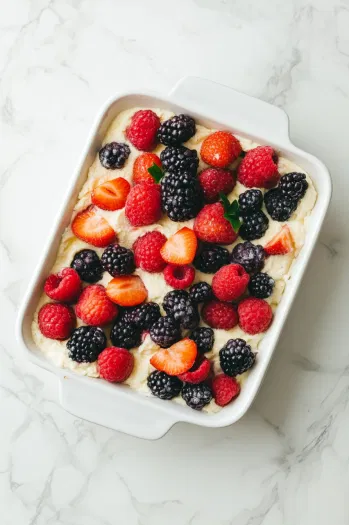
(177, 359)
(180, 248)
(111, 195)
(92, 228)
(281, 243)
(127, 290)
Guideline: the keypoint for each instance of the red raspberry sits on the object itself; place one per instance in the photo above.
(255, 315)
(230, 282)
(220, 149)
(143, 204)
(64, 287)
(215, 181)
(56, 321)
(259, 168)
(179, 276)
(147, 252)
(94, 306)
(141, 166)
(115, 364)
(197, 373)
(219, 315)
(143, 129)
(224, 389)
(211, 226)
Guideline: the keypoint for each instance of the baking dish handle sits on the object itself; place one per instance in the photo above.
(245, 113)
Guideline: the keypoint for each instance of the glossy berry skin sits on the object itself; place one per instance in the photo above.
(204, 339)
(255, 315)
(141, 165)
(56, 321)
(224, 389)
(293, 185)
(261, 285)
(198, 373)
(279, 206)
(210, 258)
(254, 226)
(200, 292)
(115, 364)
(179, 159)
(196, 396)
(230, 282)
(86, 343)
(125, 334)
(179, 277)
(211, 226)
(219, 315)
(111, 195)
(165, 332)
(215, 181)
(250, 201)
(176, 130)
(259, 168)
(164, 386)
(64, 286)
(145, 315)
(250, 256)
(143, 204)
(181, 195)
(180, 307)
(220, 149)
(142, 129)
(147, 252)
(88, 266)
(118, 260)
(94, 307)
(114, 155)
(236, 357)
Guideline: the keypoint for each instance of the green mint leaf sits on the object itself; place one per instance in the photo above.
(234, 208)
(156, 173)
(236, 223)
(231, 212)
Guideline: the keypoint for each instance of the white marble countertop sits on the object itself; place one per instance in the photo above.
(286, 461)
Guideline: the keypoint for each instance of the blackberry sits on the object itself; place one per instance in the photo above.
(88, 266)
(163, 385)
(250, 201)
(204, 339)
(210, 258)
(293, 185)
(279, 207)
(261, 285)
(114, 155)
(254, 226)
(181, 308)
(200, 292)
(125, 333)
(236, 357)
(196, 396)
(176, 130)
(86, 343)
(181, 196)
(118, 260)
(250, 256)
(146, 315)
(179, 159)
(165, 332)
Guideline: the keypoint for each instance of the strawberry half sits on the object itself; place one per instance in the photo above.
(111, 195)
(177, 359)
(281, 243)
(92, 228)
(127, 290)
(180, 248)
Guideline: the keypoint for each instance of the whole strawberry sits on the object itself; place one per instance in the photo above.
(115, 364)
(259, 168)
(215, 181)
(64, 286)
(220, 149)
(94, 306)
(56, 321)
(143, 129)
(211, 225)
(143, 204)
(141, 165)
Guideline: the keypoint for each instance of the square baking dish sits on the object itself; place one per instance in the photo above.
(215, 106)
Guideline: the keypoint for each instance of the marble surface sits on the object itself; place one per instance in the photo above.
(286, 461)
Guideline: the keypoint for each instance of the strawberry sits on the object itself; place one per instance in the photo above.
(143, 204)
(177, 359)
(180, 248)
(281, 243)
(92, 228)
(143, 129)
(220, 149)
(111, 195)
(214, 225)
(141, 166)
(127, 290)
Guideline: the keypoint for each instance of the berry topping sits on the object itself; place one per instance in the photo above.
(165, 332)
(143, 204)
(212, 226)
(210, 258)
(179, 159)
(220, 149)
(111, 195)
(236, 357)
(127, 290)
(224, 389)
(279, 206)
(143, 129)
(94, 307)
(56, 321)
(180, 307)
(86, 343)
(250, 201)
(115, 364)
(92, 228)
(281, 243)
(176, 130)
(141, 166)
(255, 315)
(200, 292)
(181, 195)
(204, 339)
(259, 168)
(147, 252)
(88, 266)
(114, 155)
(261, 285)
(164, 386)
(215, 181)
(64, 287)
(250, 256)
(177, 359)
(254, 226)
(180, 248)
(219, 315)
(118, 260)
(145, 315)
(293, 185)
(196, 396)
(198, 372)
(230, 282)
(125, 333)
(179, 277)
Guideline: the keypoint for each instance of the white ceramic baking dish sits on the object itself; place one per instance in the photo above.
(215, 106)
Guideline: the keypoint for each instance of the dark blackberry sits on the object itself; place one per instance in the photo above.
(279, 207)
(86, 343)
(250, 201)
(236, 357)
(181, 196)
(164, 386)
(146, 315)
(293, 185)
(181, 308)
(196, 396)
(179, 159)
(200, 292)
(204, 339)
(250, 256)
(176, 130)
(125, 333)
(165, 332)
(118, 260)
(88, 266)
(210, 258)
(114, 155)
(254, 226)
(261, 285)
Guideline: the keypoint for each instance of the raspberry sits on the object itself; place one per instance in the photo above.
(279, 206)
(210, 258)
(250, 256)
(147, 252)
(215, 181)
(179, 159)
(230, 282)
(196, 396)
(86, 343)
(88, 266)
(115, 364)
(250, 201)
(211, 225)
(176, 130)
(114, 155)
(165, 332)
(236, 357)
(143, 204)
(259, 168)
(255, 315)
(254, 226)
(94, 307)
(118, 260)
(261, 285)
(198, 372)
(220, 149)
(179, 277)
(143, 129)
(219, 315)
(56, 321)
(164, 386)
(64, 287)
(180, 307)
(200, 292)
(293, 185)
(224, 389)
(141, 166)
(204, 339)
